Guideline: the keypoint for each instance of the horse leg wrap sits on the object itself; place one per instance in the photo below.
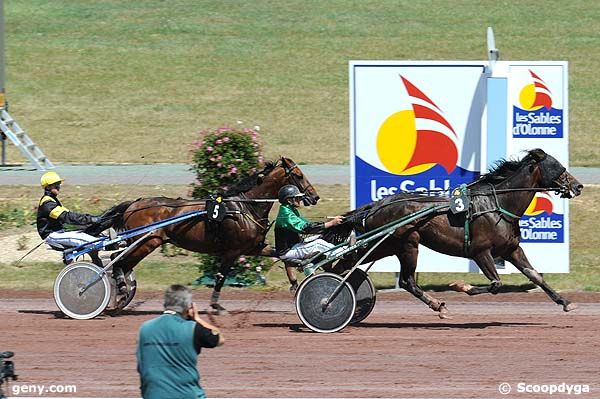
(533, 276)
(495, 287)
(119, 277)
(215, 297)
(437, 306)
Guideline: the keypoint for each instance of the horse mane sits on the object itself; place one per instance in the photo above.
(249, 182)
(505, 168)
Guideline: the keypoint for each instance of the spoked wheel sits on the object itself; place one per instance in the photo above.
(312, 307)
(82, 290)
(365, 295)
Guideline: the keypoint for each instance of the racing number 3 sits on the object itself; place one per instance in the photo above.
(459, 205)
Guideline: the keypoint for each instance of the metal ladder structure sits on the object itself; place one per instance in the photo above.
(11, 129)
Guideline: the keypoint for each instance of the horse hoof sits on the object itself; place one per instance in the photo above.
(443, 313)
(569, 307)
(460, 286)
(218, 309)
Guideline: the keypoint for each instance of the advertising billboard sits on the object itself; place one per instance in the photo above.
(424, 126)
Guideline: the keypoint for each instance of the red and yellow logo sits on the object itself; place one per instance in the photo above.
(535, 95)
(413, 141)
(542, 202)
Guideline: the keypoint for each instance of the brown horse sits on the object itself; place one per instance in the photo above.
(238, 234)
(498, 200)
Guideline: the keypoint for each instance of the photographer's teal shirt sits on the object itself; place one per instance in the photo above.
(167, 359)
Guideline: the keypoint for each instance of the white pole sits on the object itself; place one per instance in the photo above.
(493, 53)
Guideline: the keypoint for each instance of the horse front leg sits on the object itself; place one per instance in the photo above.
(408, 266)
(485, 261)
(519, 259)
(226, 265)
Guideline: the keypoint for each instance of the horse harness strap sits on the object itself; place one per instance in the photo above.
(464, 192)
(460, 202)
(256, 222)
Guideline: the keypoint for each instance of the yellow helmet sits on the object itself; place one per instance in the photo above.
(49, 178)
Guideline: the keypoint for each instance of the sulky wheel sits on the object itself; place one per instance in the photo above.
(82, 290)
(311, 299)
(365, 295)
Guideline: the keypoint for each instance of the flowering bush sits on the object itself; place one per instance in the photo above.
(221, 157)
(247, 270)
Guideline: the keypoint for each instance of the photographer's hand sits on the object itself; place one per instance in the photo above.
(193, 313)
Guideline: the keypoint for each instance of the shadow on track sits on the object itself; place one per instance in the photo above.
(427, 326)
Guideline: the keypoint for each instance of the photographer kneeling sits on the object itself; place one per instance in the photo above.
(168, 348)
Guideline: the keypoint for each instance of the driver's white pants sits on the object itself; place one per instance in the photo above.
(304, 250)
(69, 239)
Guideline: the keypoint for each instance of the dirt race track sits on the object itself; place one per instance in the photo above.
(401, 350)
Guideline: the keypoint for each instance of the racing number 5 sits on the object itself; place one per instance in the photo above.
(215, 213)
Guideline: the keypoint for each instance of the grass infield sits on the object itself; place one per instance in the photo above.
(134, 81)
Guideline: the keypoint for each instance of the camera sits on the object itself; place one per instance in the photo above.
(7, 369)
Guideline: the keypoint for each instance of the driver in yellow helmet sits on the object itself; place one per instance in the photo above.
(51, 216)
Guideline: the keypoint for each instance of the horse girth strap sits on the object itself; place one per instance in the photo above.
(253, 220)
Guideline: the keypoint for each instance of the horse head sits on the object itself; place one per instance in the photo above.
(554, 175)
(294, 175)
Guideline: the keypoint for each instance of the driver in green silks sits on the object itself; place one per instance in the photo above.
(288, 227)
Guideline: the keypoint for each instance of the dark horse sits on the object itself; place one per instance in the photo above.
(498, 200)
(240, 234)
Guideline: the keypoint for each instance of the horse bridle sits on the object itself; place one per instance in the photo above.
(294, 178)
(561, 180)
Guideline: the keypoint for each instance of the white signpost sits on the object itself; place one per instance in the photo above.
(432, 125)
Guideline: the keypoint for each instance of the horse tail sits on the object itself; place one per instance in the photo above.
(340, 233)
(353, 221)
(113, 217)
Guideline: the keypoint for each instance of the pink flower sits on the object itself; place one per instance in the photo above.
(209, 149)
(242, 259)
(213, 159)
(225, 139)
(218, 141)
(233, 171)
